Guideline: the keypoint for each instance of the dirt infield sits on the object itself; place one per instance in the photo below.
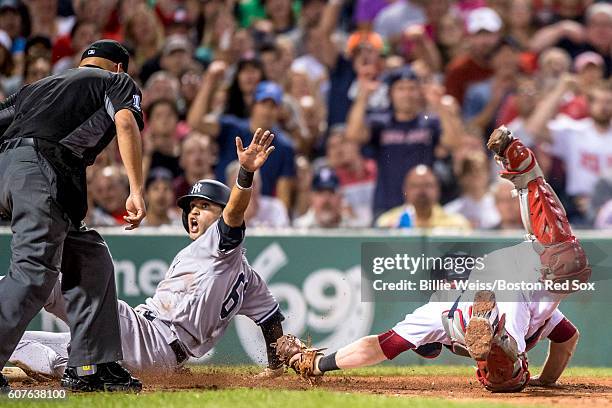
(578, 392)
(572, 392)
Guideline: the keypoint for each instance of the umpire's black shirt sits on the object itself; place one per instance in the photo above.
(71, 116)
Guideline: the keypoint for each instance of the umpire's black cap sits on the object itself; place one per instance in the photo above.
(110, 50)
(211, 190)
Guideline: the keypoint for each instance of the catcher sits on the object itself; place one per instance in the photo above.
(496, 334)
(207, 284)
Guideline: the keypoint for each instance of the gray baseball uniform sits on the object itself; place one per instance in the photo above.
(208, 283)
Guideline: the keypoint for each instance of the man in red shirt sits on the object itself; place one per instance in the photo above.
(484, 33)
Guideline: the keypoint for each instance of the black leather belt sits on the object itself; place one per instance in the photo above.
(177, 348)
(17, 142)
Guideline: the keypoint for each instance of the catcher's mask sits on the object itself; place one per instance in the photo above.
(211, 190)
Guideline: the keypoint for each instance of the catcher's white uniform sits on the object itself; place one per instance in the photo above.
(530, 314)
(204, 288)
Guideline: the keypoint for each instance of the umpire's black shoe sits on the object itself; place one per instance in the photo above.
(4, 385)
(107, 377)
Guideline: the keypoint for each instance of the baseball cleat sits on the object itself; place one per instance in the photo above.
(108, 377)
(4, 385)
(479, 332)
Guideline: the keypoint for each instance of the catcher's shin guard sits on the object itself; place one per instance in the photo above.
(543, 215)
(501, 368)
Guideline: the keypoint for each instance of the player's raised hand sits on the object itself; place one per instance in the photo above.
(256, 154)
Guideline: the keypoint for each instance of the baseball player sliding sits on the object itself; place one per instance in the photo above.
(208, 283)
(496, 333)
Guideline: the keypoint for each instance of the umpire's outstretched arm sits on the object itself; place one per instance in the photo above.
(130, 148)
(251, 159)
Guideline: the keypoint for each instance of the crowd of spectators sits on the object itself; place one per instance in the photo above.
(381, 108)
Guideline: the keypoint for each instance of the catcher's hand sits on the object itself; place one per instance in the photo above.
(302, 359)
(535, 381)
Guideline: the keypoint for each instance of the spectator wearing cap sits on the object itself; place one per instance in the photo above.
(357, 174)
(483, 27)
(573, 37)
(403, 136)
(176, 55)
(362, 62)
(196, 160)
(483, 99)
(589, 67)
(326, 205)
(278, 173)
(263, 211)
(160, 199)
(421, 208)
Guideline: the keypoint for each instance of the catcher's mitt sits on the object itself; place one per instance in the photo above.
(289, 346)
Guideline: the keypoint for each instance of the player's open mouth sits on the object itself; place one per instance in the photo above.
(193, 224)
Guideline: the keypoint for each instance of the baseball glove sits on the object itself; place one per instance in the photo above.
(301, 358)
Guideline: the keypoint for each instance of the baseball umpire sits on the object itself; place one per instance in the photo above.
(58, 126)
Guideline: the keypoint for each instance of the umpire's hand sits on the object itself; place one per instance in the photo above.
(136, 210)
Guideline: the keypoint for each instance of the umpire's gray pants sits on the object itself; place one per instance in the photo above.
(45, 243)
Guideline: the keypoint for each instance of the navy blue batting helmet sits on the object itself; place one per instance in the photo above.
(211, 190)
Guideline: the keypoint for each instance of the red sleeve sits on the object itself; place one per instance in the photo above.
(392, 344)
(562, 332)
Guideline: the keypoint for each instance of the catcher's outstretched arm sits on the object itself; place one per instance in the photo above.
(364, 352)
